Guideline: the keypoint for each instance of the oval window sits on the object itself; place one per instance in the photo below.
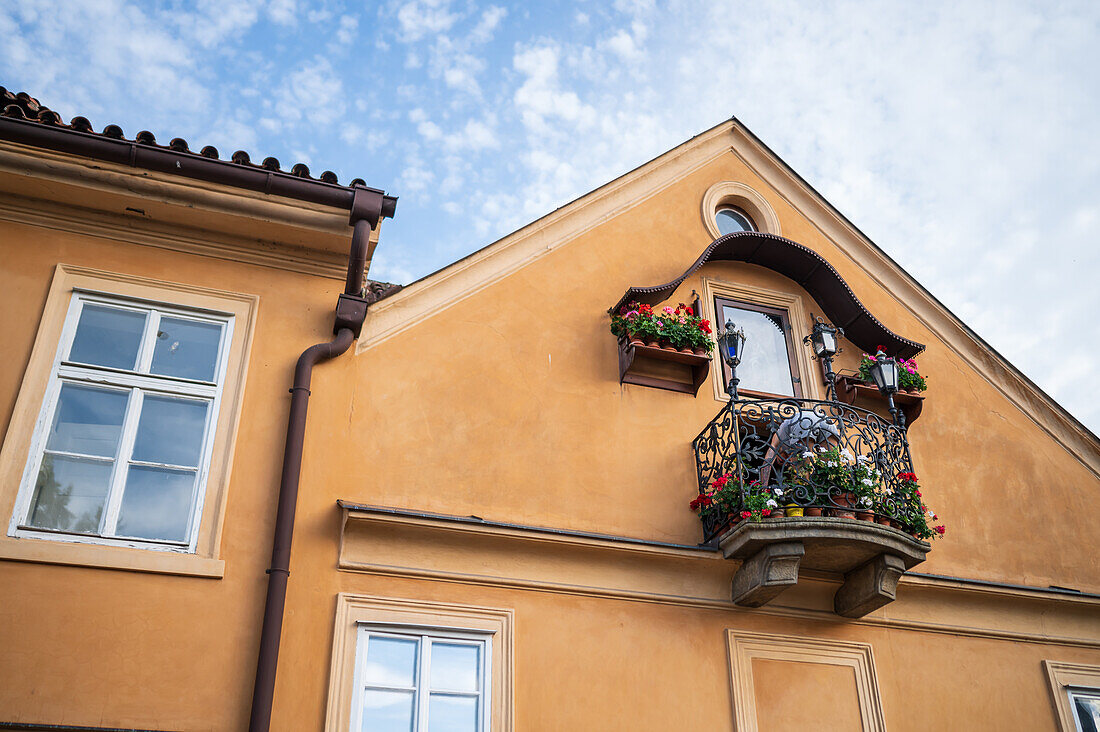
(731, 220)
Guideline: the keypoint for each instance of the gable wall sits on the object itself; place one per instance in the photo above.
(506, 405)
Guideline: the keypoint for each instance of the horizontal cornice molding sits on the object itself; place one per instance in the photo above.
(99, 224)
(437, 547)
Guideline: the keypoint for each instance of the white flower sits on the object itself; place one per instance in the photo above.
(807, 454)
(831, 463)
(771, 503)
(846, 455)
(862, 459)
(867, 481)
(865, 501)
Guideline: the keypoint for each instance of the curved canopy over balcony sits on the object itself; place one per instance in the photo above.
(840, 305)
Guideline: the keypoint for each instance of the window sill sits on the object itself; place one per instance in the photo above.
(110, 557)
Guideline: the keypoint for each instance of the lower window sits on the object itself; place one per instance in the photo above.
(431, 681)
(419, 666)
(1086, 708)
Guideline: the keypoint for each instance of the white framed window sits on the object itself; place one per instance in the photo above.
(421, 680)
(120, 452)
(1086, 708)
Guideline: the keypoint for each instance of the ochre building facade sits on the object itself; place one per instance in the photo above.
(492, 531)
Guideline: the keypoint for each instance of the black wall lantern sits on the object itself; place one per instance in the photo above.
(884, 372)
(731, 344)
(823, 340)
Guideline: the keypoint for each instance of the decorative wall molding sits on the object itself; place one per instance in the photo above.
(746, 647)
(398, 543)
(732, 193)
(112, 227)
(1060, 676)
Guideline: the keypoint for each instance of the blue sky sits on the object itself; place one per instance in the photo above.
(961, 137)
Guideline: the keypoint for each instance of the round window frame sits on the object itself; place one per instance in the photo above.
(730, 194)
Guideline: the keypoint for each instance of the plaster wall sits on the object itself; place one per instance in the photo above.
(505, 404)
(81, 645)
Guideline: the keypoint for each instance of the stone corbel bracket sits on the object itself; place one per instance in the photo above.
(871, 557)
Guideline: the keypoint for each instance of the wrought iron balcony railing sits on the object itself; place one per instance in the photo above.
(817, 455)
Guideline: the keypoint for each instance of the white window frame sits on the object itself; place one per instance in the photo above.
(1075, 691)
(426, 637)
(139, 382)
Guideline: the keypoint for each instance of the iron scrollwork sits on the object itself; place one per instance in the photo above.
(807, 453)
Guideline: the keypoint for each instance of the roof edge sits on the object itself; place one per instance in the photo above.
(184, 163)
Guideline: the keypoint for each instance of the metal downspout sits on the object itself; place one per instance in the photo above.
(351, 310)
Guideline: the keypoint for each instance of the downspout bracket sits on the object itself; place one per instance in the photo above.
(351, 311)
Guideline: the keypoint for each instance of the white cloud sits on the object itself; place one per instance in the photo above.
(283, 12)
(313, 92)
(346, 32)
(420, 18)
(488, 24)
(541, 96)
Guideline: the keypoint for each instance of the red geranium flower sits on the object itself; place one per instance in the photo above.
(941, 530)
(766, 512)
(745, 514)
(704, 325)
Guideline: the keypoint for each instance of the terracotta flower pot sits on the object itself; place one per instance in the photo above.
(699, 351)
(865, 515)
(812, 511)
(842, 513)
(845, 499)
(685, 349)
(636, 340)
(882, 520)
(666, 344)
(894, 524)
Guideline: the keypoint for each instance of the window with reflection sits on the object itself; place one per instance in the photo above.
(730, 220)
(126, 429)
(1086, 708)
(768, 366)
(412, 682)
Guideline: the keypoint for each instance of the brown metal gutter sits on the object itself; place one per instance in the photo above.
(187, 164)
(367, 208)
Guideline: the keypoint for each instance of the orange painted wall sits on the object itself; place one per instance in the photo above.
(507, 405)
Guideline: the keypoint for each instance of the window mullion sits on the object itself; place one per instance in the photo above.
(148, 342)
(122, 462)
(423, 679)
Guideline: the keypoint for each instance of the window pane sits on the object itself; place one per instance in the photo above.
(88, 420)
(454, 666)
(69, 494)
(452, 713)
(390, 661)
(186, 349)
(730, 220)
(765, 365)
(107, 337)
(170, 431)
(156, 503)
(1088, 711)
(387, 711)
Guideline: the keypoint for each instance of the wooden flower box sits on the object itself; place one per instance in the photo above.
(851, 390)
(662, 368)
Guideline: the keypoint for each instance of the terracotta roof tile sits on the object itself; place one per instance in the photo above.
(23, 106)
